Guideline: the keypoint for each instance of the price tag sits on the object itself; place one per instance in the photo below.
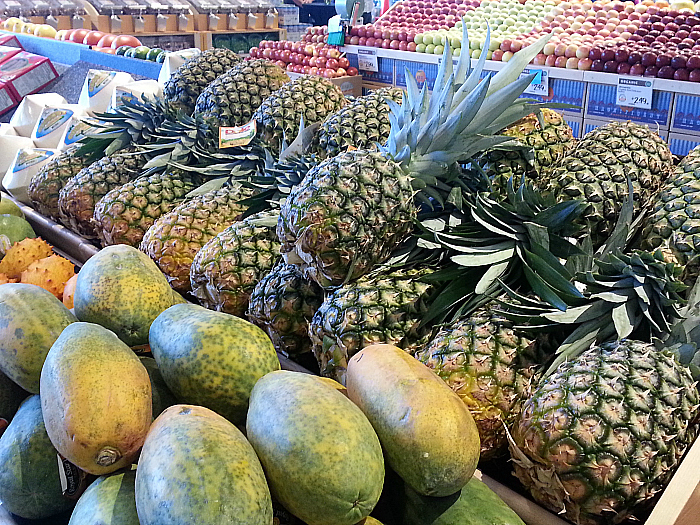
(230, 137)
(367, 60)
(634, 92)
(539, 84)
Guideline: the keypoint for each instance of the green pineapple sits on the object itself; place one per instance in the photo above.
(124, 214)
(491, 366)
(232, 98)
(77, 199)
(603, 434)
(352, 211)
(282, 304)
(228, 267)
(358, 125)
(549, 138)
(596, 171)
(191, 78)
(176, 237)
(377, 308)
(45, 186)
(308, 97)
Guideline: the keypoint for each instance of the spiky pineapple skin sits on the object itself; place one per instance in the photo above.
(548, 144)
(176, 237)
(309, 97)
(79, 196)
(347, 215)
(604, 433)
(358, 125)
(374, 309)
(490, 366)
(125, 213)
(46, 185)
(189, 80)
(282, 304)
(228, 267)
(596, 171)
(233, 97)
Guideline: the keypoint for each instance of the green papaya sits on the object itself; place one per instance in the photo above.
(123, 290)
(30, 486)
(161, 395)
(8, 207)
(322, 457)
(31, 319)
(11, 396)
(109, 500)
(211, 359)
(197, 468)
(13, 229)
(475, 504)
(96, 398)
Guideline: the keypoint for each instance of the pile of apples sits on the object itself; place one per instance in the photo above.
(302, 57)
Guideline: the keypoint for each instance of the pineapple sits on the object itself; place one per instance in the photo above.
(604, 433)
(596, 171)
(232, 98)
(45, 186)
(490, 366)
(358, 125)
(352, 211)
(77, 199)
(674, 223)
(191, 78)
(378, 308)
(124, 214)
(282, 304)
(228, 267)
(307, 98)
(177, 236)
(548, 138)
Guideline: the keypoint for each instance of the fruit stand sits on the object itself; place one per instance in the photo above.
(444, 273)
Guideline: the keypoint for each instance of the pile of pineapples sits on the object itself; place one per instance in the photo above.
(468, 227)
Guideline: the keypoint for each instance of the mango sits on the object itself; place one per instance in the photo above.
(211, 358)
(123, 290)
(31, 319)
(109, 500)
(322, 458)
(96, 399)
(429, 436)
(197, 468)
(475, 504)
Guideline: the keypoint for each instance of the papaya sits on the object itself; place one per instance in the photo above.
(197, 468)
(96, 398)
(11, 396)
(211, 358)
(161, 396)
(109, 500)
(8, 207)
(475, 504)
(31, 319)
(13, 229)
(429, 436)
(123, 290)
(322, 458)
(30, 486)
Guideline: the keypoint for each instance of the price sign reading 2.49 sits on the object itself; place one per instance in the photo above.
(634, 93)
(539, 85)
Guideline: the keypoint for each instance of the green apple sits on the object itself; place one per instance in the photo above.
(420, 48)
(439, 50)
(476, 53)
(430, 48)
(456, 43)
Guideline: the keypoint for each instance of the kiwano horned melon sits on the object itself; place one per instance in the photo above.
(31, 319)
(121, 289)
(96, 398)
(211, 358)
(50, 273)
(30, 486)
(22, 254)
(321, 456)
(109, 500)
(196, 468)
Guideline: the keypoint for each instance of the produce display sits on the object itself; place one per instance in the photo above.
(309, 59)
(467, 284)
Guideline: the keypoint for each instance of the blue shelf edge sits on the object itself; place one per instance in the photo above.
(69, 53)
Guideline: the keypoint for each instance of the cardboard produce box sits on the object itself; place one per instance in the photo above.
(26, 73)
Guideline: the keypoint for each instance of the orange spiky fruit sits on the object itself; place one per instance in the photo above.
(50, 273)
(4, 279)
(69, 291)
(22, 254)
